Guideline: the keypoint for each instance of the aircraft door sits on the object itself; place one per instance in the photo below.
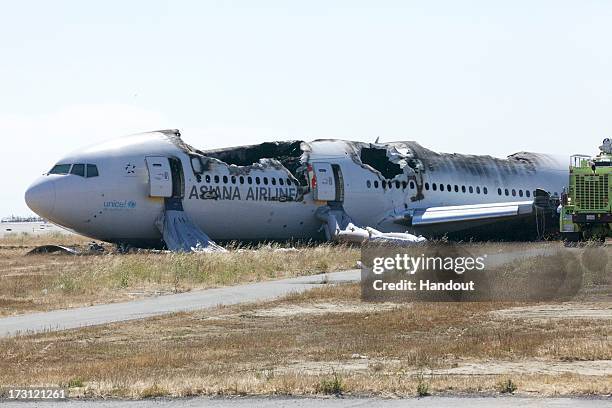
(160, 176)
(327, 182)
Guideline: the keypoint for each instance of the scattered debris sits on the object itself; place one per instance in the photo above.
(53, 249)
(339, 226)
(94, 247)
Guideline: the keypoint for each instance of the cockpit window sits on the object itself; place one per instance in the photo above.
(60, 169)
(92, 170)
(78, 170)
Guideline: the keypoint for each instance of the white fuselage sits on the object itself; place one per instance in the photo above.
(266, 201)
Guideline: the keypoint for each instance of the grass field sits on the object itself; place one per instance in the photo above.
(324, 342)
(46, 282)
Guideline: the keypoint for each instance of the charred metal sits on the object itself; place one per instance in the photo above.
(393, 162)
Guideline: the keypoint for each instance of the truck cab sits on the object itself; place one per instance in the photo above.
(586, 209)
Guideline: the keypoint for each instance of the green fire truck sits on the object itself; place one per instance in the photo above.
(586, 207)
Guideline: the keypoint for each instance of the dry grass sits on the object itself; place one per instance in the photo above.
(46, 282)
(321, 341)
(376, 349)
(27, 240)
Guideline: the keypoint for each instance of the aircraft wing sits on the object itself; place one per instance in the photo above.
(463, 213)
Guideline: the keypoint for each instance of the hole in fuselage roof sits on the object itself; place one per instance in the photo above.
(378, 160)
(287, 153)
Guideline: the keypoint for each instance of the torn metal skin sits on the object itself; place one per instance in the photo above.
(391, 162)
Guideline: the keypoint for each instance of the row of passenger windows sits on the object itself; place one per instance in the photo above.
(447, 187)
(514, 193)
(249, 180)
(78, 169)
(390, 184)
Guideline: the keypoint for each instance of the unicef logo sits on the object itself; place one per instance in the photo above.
(131, 204)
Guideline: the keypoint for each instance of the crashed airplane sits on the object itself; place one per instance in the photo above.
(154, 190)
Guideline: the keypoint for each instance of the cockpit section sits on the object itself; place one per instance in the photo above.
(85, 170)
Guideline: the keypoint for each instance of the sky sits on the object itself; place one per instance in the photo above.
(476, 77)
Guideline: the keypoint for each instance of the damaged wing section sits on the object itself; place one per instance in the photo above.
(180, 233)
(463, 213)
(339, 227)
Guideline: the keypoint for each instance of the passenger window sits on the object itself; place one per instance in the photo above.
(216, 179)
(404, 184)
(528, 193)
(471, 190)
(273, 181)
(412, 185)
(456, 188)
(92, 171)
(257, 180)
(60, 169)
(78, 170)
(397, 184)
(224, 179)
(441, 187)
(507, 192)
(233, 179)
(265, 180)
(477, 190)
(250, 180)
(281, 181)
(463, 189)
(288, 182)
(207, 178)
(448, 187)
(241, 179)
(368, 184)
(513, 193)
(499, 191)
(520, 193)
(375, 184)
(485, 190)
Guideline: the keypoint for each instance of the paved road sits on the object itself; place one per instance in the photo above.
(139, 309)
(429, 402)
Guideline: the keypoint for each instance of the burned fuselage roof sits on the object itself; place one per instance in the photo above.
(402, 161)
(288, 154)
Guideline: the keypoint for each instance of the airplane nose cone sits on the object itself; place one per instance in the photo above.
(40, 197)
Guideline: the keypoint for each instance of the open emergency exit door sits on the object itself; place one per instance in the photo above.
(327, 182)
(160, 176)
